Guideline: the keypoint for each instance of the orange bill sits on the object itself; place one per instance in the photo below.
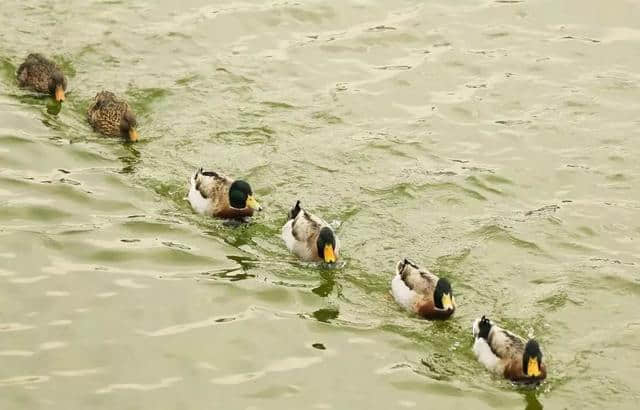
(533, 369)
(133, 134)
(59, 93)
(329, 255)
(252, 203)
(447, 303)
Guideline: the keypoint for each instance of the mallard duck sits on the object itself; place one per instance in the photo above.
(112, 116)
(43, 75)
(422, 292)
(507, 354)
(213, 194)
(309, 237)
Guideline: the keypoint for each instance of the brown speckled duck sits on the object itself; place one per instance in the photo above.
(112, 116)
(43, 75)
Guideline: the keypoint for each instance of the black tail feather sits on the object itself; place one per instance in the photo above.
(201, 171)
(295, 210)
(484, 327)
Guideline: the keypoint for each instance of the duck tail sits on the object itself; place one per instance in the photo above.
(295, 210)
(400, 266)
(195, 176)
(481, 327)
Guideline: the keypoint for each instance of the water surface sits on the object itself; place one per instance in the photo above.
(491, 141)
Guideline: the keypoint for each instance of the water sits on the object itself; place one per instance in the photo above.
(492, 141)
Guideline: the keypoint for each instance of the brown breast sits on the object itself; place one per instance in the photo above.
(427, 310)
(513, 371)
(233, 213)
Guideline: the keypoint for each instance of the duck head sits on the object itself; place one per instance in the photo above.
(532, 359)
(443, 296)
(241, 196)
(128, 126)
(57, 86)
(326, 244)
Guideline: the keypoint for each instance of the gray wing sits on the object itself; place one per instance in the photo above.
(417, 279)
(212, 185)
(505, 344)
(306, 227)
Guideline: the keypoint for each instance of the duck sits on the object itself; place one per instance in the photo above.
(309, 237)
(422, 292)
(40, 74)
(213, 194)
(507, 354)
(112, 116)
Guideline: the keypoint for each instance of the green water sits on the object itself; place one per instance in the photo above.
(494, 142)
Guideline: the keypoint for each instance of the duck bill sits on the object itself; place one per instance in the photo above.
(533, 368)
(253, 204)
(329, 255)
(133, 135)
(59, 93)
(447, 302)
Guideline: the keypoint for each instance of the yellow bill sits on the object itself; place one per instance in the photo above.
(133, 134)
(59, 94)
(252, 203)
(533, 369)
(447, 302)
(329, 256)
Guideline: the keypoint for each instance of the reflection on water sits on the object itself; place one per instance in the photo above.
(326, 314)
(53, 106)
(236, 273)
(326, 285)
(131, 160)
(531, 398)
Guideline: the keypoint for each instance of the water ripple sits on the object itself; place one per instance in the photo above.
(287, 364)
(162, 384)
(23, 380)
(213, 321)
(14, 327)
